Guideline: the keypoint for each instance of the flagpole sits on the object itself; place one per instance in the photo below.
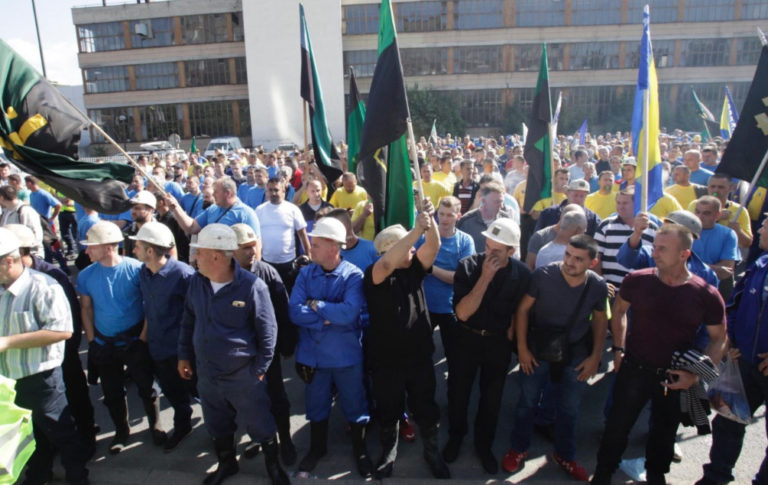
(414, 155)
(552, 166)
(306, 140)
(646, 144)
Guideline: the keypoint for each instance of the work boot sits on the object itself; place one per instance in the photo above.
(364, 463)
(118, 411)
(180, 431)
(276, 473)
(318, 445)
(152, 409)
(388, 452)
(225, 452)
(432, 452)
(287, 449)
(452, 448)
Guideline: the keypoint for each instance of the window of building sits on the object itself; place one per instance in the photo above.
(238, 33)
(528, 57)
(116, 122)
(211, 119)
(360, 19)
(159, 121)
(106, 79)
(241, 73)
(594, 55)
(539, 13)
(477, 59)
(245, 117)
(595, 12)
(364, 62)
(151, 32)
(663, 54)
(709, 10)
(478, 14)
(754, 9)
(427, 61)
(424, 16)
(662, 11)
(160, 75)
(206, 72)
(705, 52)
(204, 29)
(107, 36)
(481, 107)
(748, 50)
(596, 101)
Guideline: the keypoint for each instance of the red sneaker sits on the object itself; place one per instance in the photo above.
(572, 468)
(513, 461)
(407, 433)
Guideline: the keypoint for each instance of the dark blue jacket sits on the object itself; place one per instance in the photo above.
(287, 334)
(747, 322)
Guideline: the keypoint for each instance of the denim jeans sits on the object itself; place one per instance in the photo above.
(728, 436)
(567, 395)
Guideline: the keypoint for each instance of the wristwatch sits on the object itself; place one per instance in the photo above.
(616, 348)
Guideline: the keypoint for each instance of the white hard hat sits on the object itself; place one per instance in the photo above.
(330, 228)
(8, 242)
(155, 233)
(387, 238)
(245, 233)
(145, 197)
(216, 236)
(503, 231)
(24, 234)
(103, 232)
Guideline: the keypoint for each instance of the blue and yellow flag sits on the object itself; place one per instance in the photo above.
(645, 119)
(729, 116)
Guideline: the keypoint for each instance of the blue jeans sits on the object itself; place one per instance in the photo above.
(567, 395)
(349, 383)
(728, 436)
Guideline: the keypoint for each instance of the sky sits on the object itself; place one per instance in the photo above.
(57, 35)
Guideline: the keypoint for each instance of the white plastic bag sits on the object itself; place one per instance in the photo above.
(727, 395)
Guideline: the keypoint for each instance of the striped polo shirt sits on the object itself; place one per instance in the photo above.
(610, 235)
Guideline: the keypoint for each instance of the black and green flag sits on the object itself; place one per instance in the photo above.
(538, 144)
(355, 120)
(326, 155)
(39, 133)
(749, 142)
(386, 168)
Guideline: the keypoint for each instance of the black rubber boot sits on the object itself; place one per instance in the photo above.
(287, 449)
(118, 411)
(388, 452)
(432, 452)
(318, 446)
(364, 463)
(152, 409)
(225, 452)
(276, 473)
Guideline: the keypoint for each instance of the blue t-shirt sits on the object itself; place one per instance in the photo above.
(85, 223)
(254, 196)
(717, 244)
(362, 255)
(239, 212)
(701, 176)
(439, 294)
(79, 212)
(174, 189)
(192, 204)
(42, 201)
(115, 293)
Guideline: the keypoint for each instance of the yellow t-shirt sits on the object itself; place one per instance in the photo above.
(447, 179)
(684, 195)
(743, 220)
(369, 228)
(664, 206)
(544, 203)
(601, 204)
(434, 191)
(756, 204)
(519, 193)
(343, 199)
(305, 196)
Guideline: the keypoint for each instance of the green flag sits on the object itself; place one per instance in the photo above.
(39, 133)
(705, 114)
(193, 146)
(354, 123)
(538, 146)
(387, 178)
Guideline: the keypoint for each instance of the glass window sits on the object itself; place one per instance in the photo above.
(211, 119)
(539, 13)
(528, 57)
(420, 16)
(241, 73)
(595, 102)
(159, 121)
(595, 12)
(237, 26)
(245, 117)
(705, 52)
(364, 62)
(206, 72)
(477, 59)
(204, 29)
(107, 36)
(425, 61)
(754, 9)
(662, 11)
(594, 55)
(748, 50)
(159, 75)
(116, 122)
(106, 79)
(709, 10)
(482, 107)
(151, 33)
(478, 14)
(663, 54)
(360, 19)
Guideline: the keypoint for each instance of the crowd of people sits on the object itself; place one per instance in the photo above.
(223, 268)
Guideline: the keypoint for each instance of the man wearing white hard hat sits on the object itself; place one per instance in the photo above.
(229, 328)
(143, 206)
(113, 320)
(32, 303)
(164, 281)
(325, 304)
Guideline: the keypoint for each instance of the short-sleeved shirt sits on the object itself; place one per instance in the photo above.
(346, 200)
(664, 205)
(700, 176)
(42, 201)
(540, 238)
(115, 293)
(237, 213)
(439, 294)
(434, 191)
(362, 255)
(279, 222)
(369, 229)
(717, 244)
(665, 318)
(192, 204)
(556, 300)
(551, 252)
(601, 204)
(685, 194)
(743, 219)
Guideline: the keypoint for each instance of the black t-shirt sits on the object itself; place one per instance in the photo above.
(400, 333)
(500, 300)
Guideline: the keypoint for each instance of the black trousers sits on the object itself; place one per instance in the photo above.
(76, 385)
(448, 325)
(68, 229)
(490, 357)
(110, 361)
(392, 386)
(54, 428)
(285, 270)
(175, 389)
(634, 387)
(280, 406)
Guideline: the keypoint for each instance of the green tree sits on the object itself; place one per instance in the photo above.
(428, 105)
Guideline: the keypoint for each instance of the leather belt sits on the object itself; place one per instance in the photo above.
(479, 331)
